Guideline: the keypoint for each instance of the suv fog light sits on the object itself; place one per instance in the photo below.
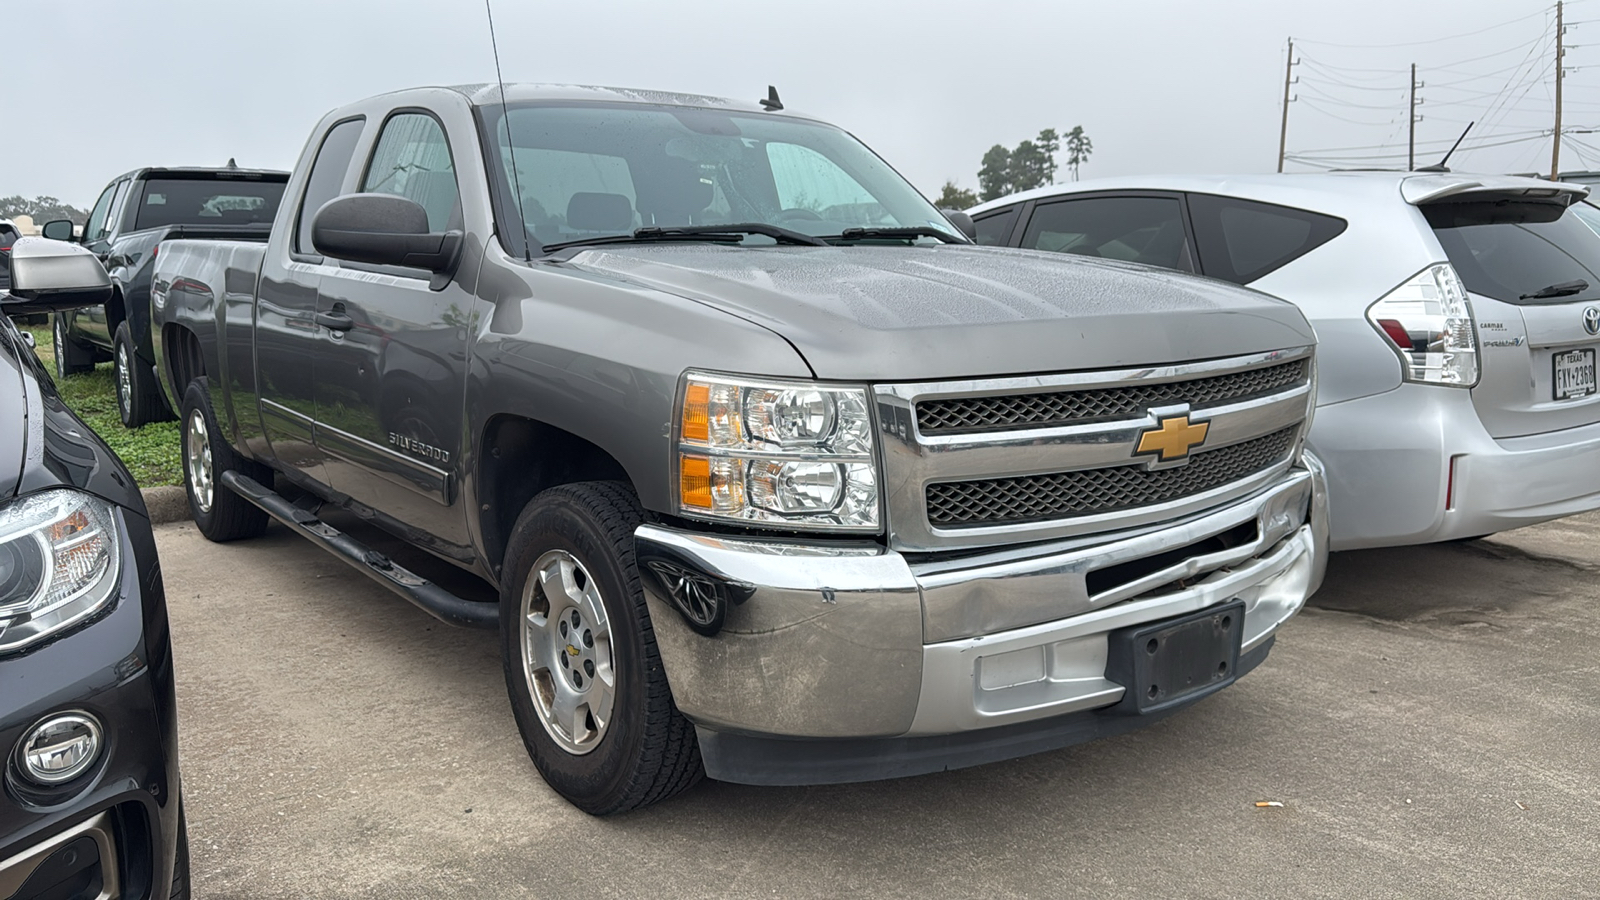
(61, 748)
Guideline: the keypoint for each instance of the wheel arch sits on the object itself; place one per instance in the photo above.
(520, 457)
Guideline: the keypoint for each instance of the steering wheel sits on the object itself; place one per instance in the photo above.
(798, 213)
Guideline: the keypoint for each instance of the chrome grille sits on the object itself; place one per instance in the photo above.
(1004, 501)
(956, 415)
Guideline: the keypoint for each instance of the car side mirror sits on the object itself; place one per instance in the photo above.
(51, 275)
(962, 222)
(58, 230)
(383, 230)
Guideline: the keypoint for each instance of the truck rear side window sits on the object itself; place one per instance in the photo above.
(207, 201)
(1242, 240)
(1510, 250)
(327, 177)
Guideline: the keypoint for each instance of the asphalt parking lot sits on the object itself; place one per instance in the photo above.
(1429, 726)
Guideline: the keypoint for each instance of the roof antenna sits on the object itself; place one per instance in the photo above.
(1439, 166)
(232, 164)
(511, 147)
(771, 103)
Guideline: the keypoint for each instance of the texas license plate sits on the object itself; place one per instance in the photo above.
(1574, 374)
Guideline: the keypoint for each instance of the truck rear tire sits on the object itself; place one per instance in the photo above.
(138, 396)
(72, 358)
(581, 665)
(220, 514)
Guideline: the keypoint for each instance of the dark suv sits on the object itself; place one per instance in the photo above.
(91, 805)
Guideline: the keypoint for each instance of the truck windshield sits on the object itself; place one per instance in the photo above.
(593, 171)
(207, 201)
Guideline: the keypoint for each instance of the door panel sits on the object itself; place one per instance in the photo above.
(391, 390)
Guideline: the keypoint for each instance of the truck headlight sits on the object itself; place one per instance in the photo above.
(796, 454)
(1428, 322)
(59, 562)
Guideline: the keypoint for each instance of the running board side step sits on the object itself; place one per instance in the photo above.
(434, 600)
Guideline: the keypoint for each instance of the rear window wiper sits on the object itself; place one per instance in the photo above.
(721, 234)
(914, 231)
(1560, 289)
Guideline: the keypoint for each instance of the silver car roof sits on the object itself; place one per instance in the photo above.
(1339, 193)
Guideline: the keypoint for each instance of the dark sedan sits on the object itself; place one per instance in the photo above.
(91, 806)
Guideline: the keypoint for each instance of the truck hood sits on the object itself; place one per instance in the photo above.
(902, 313)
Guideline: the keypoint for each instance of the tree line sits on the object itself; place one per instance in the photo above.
(42, 209)
(1029, 165)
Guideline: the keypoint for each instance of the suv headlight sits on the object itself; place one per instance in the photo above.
(1429, 323)
(795, 454)
(59, 562)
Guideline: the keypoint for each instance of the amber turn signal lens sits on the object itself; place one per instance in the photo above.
(694, 480)
(697, 418)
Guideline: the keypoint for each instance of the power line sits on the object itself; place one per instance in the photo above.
(1436, 40)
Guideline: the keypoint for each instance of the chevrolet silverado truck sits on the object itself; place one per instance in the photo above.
(134, 214)
(771, 473)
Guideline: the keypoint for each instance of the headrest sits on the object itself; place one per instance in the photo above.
(591, 211)
(674, 189)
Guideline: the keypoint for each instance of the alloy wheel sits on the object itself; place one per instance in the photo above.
(197, 457)
(566, 652)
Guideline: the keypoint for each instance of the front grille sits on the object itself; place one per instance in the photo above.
(1086, 492)
(956, 415)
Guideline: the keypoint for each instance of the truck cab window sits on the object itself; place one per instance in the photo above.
(412, 160)
(96, 225)
(327, 176)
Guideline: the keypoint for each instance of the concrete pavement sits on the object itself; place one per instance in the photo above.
(1429, 725)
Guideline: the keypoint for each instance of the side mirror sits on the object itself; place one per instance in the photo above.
(58, 230)
(962, 222)
(51, 275)
(384, 230)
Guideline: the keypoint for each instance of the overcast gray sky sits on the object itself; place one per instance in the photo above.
(95, 87)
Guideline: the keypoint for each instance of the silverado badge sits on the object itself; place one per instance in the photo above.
(1175, 437)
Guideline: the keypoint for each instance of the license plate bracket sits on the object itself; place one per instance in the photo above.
(1572, 374)
(1175, 661)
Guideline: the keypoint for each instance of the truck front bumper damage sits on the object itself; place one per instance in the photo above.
(825, 662)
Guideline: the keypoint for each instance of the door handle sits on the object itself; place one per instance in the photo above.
(334, 321)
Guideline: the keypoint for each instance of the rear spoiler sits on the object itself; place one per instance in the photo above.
(1423, 189)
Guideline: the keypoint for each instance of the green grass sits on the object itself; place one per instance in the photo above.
(151, 452)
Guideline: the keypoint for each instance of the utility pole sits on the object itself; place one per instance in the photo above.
(1555, 141)
(1283, 130)
(1411, 139)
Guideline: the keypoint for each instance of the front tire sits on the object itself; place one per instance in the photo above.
(581, 664)
(138, 396)
(71, 358)
(220, 514)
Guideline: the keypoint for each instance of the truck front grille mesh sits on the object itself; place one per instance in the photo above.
(1087, 492)
(956, 415)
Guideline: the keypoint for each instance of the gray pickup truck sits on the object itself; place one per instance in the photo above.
(770, 473)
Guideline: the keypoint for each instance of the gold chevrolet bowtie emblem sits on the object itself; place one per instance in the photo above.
(1174, 439)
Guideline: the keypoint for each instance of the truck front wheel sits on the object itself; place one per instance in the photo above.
(220, 514)
(581, 664)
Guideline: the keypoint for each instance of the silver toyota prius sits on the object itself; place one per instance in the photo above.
(1457, 317)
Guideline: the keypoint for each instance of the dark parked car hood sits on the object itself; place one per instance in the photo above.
(902, 313)
(13, 421)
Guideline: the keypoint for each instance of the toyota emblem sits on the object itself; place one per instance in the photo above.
(1591, 319)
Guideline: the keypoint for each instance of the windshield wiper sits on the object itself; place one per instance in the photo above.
(1562, 289)
(914, 231)
(721, 234)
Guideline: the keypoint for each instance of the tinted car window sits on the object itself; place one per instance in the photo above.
(1242, 240)
(1508, 250)
(207, 201)
(97, 216)
(412, 160)
(327, 176)
(1135, 229)
(993, 230)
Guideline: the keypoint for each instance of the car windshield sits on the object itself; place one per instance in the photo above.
(596, 171)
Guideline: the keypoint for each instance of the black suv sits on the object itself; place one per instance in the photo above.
(91, 805)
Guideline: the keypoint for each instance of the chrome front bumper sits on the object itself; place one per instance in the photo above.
(851, 640)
